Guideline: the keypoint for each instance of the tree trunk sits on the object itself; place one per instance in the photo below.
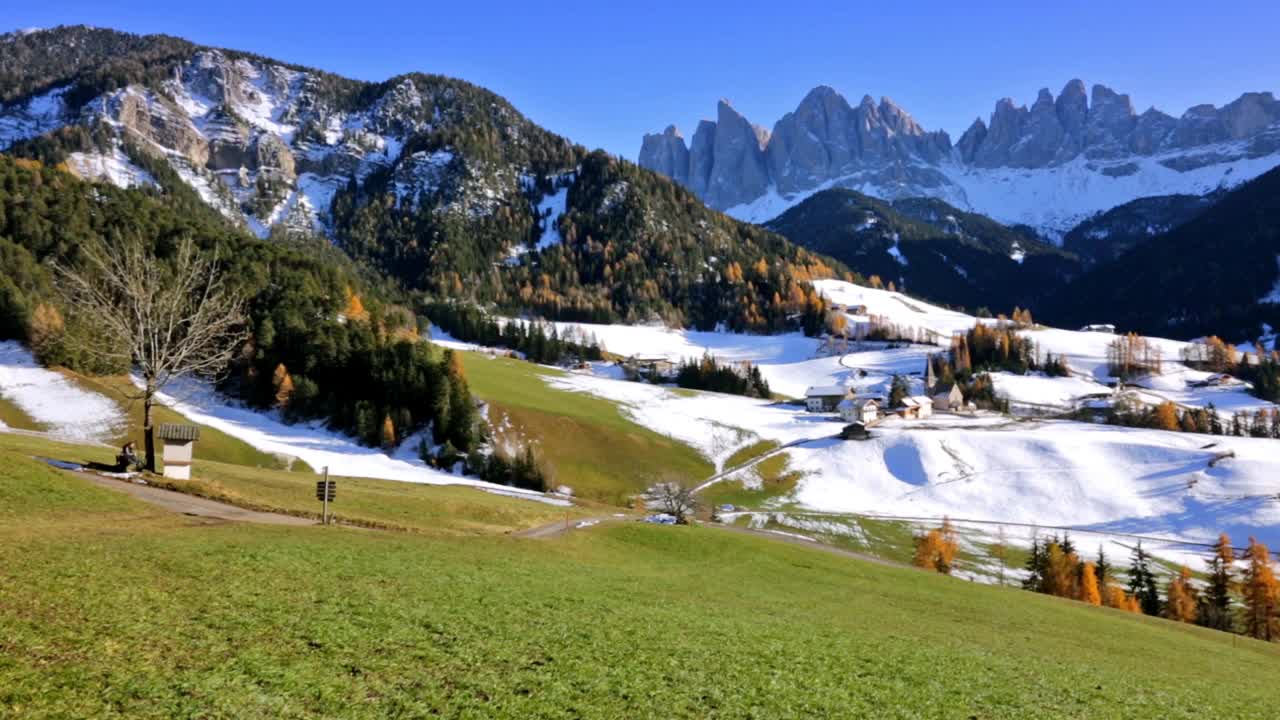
(148, 430)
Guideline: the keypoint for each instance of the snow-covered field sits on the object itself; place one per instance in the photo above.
(66, 409)
(1115, 481)
(310, 442)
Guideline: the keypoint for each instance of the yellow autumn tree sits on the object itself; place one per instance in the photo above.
(1167, 416)
(1089, 585)
(1114, 597)
(388, 433)
(1060, 572)
(453, 366)
(45, 329)
(936, 549)
(1180, 602)
(282, 385)
(1261, 594)
(355, 307)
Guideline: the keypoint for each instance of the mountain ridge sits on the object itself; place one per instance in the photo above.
(437, 183)
(1092, 151)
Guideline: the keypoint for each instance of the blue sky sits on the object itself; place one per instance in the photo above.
(603, 73)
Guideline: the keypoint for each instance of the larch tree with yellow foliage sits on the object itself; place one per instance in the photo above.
(282, 385)
(1261, 594)
(936, 549)
(1167, 417)
(388, 433)
(355, 308)
(1180, 599)
(1089, 585)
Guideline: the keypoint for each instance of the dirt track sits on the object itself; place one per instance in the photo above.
(190, 504)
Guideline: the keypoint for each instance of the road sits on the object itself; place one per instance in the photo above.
(190, 504)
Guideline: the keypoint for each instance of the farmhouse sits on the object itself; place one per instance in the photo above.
(863, 411)
(916, 407)
(947, 397)
(651, 367)
(825, 398)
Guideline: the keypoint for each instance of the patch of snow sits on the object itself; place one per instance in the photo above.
(115, 168)
(1274, 295)
(316, 445)
(896, 252)
(1018, 254)
(49, 398)
(549, 211)
(35, 116)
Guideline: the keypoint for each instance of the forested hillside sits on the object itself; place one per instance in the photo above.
(928, 248)
(324, 343)
(1209, 276)
(438, 184)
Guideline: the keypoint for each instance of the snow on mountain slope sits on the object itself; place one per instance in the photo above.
(1052, 199)
(36, 115)
(50, 399)
(895, 308)
(114, 167)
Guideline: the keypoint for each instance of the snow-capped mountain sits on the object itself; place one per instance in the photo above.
(266, 143)
(1049, 166)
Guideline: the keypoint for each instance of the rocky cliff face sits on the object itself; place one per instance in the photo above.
(1079, 153)
(270, 145)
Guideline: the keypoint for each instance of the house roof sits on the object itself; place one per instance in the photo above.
(826, 391)
(921, 399)
(179, 433)
(846, 404)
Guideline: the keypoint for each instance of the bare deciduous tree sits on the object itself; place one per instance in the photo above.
(673, 498)
(167, 317)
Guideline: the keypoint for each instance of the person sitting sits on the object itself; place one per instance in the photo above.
(128, 458)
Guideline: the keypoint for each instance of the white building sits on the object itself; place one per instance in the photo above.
(916, 407)
(859, 410)
(825, 398)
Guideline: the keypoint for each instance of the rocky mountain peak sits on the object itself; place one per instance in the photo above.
(880, 147)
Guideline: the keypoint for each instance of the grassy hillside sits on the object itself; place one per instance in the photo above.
(440, 510)
(585, 441)
(128, 613)
(14, 417)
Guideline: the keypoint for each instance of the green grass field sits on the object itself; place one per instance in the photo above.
(14, 417)
(763, 485)
(437, 509)
(587, 442)
(112, 609)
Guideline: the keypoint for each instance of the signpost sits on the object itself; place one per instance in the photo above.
(326, 490)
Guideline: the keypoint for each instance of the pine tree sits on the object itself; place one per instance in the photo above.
(898, 390)
(1261, 594)
(1180, 598)
(282, 386)
(1102, 568)
(1215, 602)
(1142, 583)
(1035, 567)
